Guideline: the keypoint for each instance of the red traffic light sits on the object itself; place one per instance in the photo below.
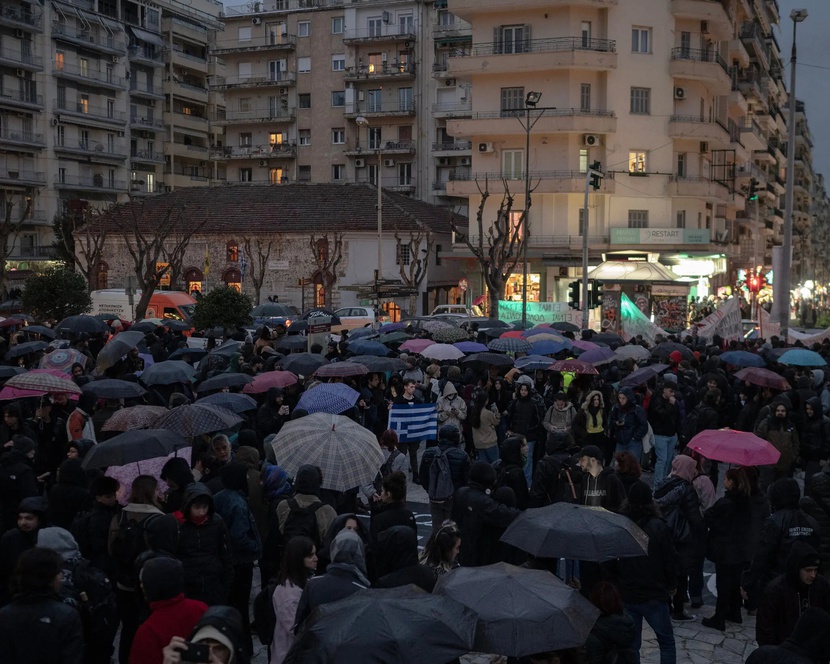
(753, 283)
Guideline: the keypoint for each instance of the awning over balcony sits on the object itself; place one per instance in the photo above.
(148, 37)
(631, 271)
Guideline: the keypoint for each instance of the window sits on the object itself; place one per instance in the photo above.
(245, 139)
(376, 62)
(338, 98)
(304, 174)
(338, 136)
(232, 251)
(276, 33)
(338, 172)
(305, 136)
(276, 70)
(304, 65)
(373, 173)
(685, 44)
(276, 138)
(275, 176)
(405, 174)
(243, 69)
(641, 40)
(244, 104)
(375, 26)
(338, 62)
(304, 28)
(405, 102)
(83, 140)
(111, 145)
(59, 60)
(62, 175)
(641, 101)
(512, 39)
(406, 24)
(304, 100)
(585, 97)
(585, 33)
(245, 34)
(681, 219)
(512, 164)
(403, 256)
(375, 101)
(583, 161)
(60, 136)
(245, 175)
(62, 96)
(516, 225)
(638, 218)
(83, 66)
(438, 250)
(374, 138)
(681, 164)
(337, 25)
(637, 161)
(512, 99)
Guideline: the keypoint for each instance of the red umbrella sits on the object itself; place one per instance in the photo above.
(477, 302)
(573, 366)
(739, 447)
(512, 334)
(762, 377)
(264, 381)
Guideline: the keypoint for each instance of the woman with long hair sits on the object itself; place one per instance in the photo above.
(299, 563)
(614, 629)
(440, 553)
(484, 422)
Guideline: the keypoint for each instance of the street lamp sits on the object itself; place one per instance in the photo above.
(781, 284)
(363, 122)
(531, 100)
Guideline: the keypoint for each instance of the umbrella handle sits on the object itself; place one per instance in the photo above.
(570, 481)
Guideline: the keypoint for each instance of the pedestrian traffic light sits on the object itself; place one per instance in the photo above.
(753, 189)
(753, 283)
(596, 293)
(596, 174)
(574, 287)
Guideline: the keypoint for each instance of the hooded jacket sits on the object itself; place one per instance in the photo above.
(268, 418)
(307, 492)
(677, 494)
(457, 458)
(817, 504)
(481, 520)
(628, 423)
(808, 644)
(526, 414)
(664, 416)
(782, 434)
(250, 456)
(398, 547)
(224, 624)
(70, 495)
(39, 629)
(17, 481)
(177, 470)
(587, 422)
(449, 400)
(559, 421)
(232, 505)
(783, 601)
(815, 433)
(605, 488)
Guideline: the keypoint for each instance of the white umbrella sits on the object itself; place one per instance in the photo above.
(633, 352)
(441, 352)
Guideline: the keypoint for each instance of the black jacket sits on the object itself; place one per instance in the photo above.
(17, 481)
(457, 458)
(398, 546)
(729, 521)
(69, 496)
(649, 577)
(525, 416)
(510, 471)
(664, 416)
(38, 629)
(678, 494)
(482, 520)
(808, 644)
(335, 584)
(385, 517)
(268, 418)
(606, 487)
(91, 532)
(815, 433)
(817, 504)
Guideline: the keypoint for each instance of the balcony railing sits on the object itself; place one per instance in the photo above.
(519, 175)
(23, 137)
(386, 147)
(550, 45)
(546, 112)
(106, 77)
(146, 53)
(145, 121)
(146, 89)
(91, 182)
(393, 32)
(177, 52)
(698, 55)
(256, 115)
(281, 78)
(455, 107)
(11, 14)
(380, 109)
(264, 43)
(23, 176)
(34, 252)
(92, 148)
(20, 97)
(384, 69)
(255, 151)
(18, 57)
(94, 112)
(452, 145)
(147, 155)
(105, 41)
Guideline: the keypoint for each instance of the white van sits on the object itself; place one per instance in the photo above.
(175, 305)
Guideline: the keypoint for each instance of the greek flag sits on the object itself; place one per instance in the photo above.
(414, 422)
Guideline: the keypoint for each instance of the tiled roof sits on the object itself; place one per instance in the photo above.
(292, 208)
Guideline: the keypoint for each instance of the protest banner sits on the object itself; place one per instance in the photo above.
(635, 322)
(725, 322)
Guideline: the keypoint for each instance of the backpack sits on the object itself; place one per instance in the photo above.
(440, 486)
(691, 425)
(99, 613)
(129, 543)
(302, 521)
(385, 469)
(265, 618)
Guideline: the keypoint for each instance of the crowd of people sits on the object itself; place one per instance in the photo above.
(162, 571)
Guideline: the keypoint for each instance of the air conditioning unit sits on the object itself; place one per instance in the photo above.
(127, 75)
(388, 162)
(485, 147)
(360, 163)
(679, 93)
(465, 161)
(590, 140)
(55, 122)
(283, 91)
(19, 33)
(263, 162)
(407, 44)
(704, 146)
(256, 20)
(443, 161)
(115, 58)
(450, 82)
(387, 17)
(19, 73)
(704, 27)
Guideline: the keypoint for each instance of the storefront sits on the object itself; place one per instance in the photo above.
(514, 287)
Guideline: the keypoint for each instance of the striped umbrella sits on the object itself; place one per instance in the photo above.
(41, 381)
(510, 345)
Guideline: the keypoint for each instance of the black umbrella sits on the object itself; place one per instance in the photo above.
(143, 326)
(297, 326)
(47, 332)
(400, 625)
(236, 403)
(520, 611)
(293, 342)
(221, 380)
(491, 359)
(311, 314)
(167, 373)
(666, 348)
(8, 372)
(194, 354)
(116, 348)
(70, 328)
(565, 530)
(606, 338)
(379, 364)
(25, 348)
(133, 446)
(492, 323)
(303, 364)
(112, 388)
(493, 332)
(196, 419)
(565, 326)
(230, 347)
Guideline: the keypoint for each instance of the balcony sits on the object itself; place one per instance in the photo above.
(197, 93)
(713, 12)
(401, 184)
(377, 110)
(702, 65)
(146, 157)
(386, 34)
(82, 112)
(738, 53)
(18, 99)
(283, 42)
(37, 218)
(275, 151)
(21, 140)
(19, 17)
(142, 188)
(451, 148)
(14, 58)
(460, 109)
(469, 8)
(144, 55)
(535, 55)
(550, 120)
(452, 29)
(542, 182)
(105, 43)
(33, 253)
(283, 79)
(752, 35)
(186, 121)
(146, 122)
(187, 151)
(752, 136)
(255, 116)
(94, 183)
(146, 91)
(22, 177)
(91, 151)
(189, 60)
(753, 86)
(86, 76)
(387, 148)
(382, 72)
(693, 127)
(701, 188)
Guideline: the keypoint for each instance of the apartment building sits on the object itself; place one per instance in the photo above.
(99, 99)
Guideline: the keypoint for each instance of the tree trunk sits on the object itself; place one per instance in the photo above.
(144, 300)
(257, 291)
(494, 303)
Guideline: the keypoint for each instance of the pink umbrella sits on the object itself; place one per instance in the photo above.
(264, 381)
(416, 345)
(741, 448)
(585, 345)
(126, 474)
(12, 392)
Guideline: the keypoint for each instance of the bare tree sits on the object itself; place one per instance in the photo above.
(498, 245)
(258, 251)
(413, 273)
(82, 237)
(327, 256)
(152, 236)
(9, 230)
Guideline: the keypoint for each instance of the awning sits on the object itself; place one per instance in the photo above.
(631, 271)
(115, 26)
(149, 37)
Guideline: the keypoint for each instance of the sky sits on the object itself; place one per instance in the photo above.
(812, 83)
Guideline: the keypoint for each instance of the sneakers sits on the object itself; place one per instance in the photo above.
(682, 617)
(714, 623)
(697, 603)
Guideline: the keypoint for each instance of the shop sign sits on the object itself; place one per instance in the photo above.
(660, 236)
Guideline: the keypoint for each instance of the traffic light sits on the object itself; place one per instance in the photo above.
(754, 283)
(596, 174)
(753, 189)
(573, 289)
(596, 292)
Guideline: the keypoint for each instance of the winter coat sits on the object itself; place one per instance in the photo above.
(782, 435)
(17, 481)
(815, 434)
(39, 629)
(12, 544)
(558, 421)
(386, 516)
(510, 471)
(605, 490)
(91, 531)
(664, 416)
(817, 504)
(729, 521)
(650, 577)
(629, 423)
(69, 496)
(447, 403)
(525, 415)
(285, 599)
(458, 460)
(486, 436)
(782, 602)
(481, 520)
(609, 633)
(176, 616)
(808, 643)
(677, 493)
(268, 419)
(398, 547)
(548, 485)
(232, 506)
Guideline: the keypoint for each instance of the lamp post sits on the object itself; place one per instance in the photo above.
(531, 100)
(781, 283)
(363, 122)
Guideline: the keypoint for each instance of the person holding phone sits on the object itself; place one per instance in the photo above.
(216, 639)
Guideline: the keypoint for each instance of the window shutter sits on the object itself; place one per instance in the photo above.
(497, 47)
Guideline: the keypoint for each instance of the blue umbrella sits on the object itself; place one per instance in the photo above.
(392, 327)
(742, 358)
(365, 347)
(470, 347)
(533, 363)
(332, 398)
(547, 347)
(801, 357)
(597, 356)
(510, 345)
(236, 403)
(363, 333)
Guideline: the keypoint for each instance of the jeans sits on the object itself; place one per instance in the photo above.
(665, 447)
(529, 463)
(633, 446)
(656, 614)
(488, 454)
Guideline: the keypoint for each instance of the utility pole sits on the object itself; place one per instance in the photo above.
(592, 181)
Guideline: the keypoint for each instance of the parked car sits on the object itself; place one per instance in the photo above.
(461, 310)
(352, 317)
(751, 329)
(274, 315)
